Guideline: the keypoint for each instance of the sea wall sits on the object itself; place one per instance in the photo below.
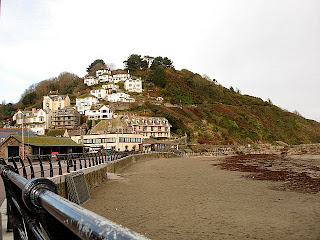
(94, 175)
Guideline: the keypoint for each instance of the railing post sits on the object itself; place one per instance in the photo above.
(74, 160)
(41, 166)
(85, 160)
(99, 156)
(22, 165)
(68, 163)
(59, 164)
(31, 167)
(92, 158)
(50, 165)
(96, 158)
(16, 169)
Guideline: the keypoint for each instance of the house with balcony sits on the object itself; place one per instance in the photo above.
(133, 85)
(99, 93)
(84, 103)
(36, 120)
(111, 87)
(103, 71)
(90, 80)
(120, 75)
(120, 97)
(104, 112)
(67, 118)
(158, 127)
(55, 102)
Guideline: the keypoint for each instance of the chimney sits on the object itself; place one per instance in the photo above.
(34, 110)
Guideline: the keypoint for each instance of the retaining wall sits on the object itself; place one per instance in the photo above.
(94, 175)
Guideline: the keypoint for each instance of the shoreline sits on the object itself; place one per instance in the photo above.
(190, 198)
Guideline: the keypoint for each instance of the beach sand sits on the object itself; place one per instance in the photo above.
(198, 198)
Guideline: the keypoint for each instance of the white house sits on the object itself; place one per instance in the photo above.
(90, 81)
(99, 93)
(36, 120)
(120, 97)
(111, 87)
(83, 104)
(103, 113)
(133, 85)
(104, 71)
(105, 78)
(120, 75)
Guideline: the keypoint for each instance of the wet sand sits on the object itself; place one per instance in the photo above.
(193, 198)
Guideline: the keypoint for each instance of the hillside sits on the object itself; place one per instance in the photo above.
(206, 111)
(210, 113)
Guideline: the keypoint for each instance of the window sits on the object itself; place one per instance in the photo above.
(159, 128)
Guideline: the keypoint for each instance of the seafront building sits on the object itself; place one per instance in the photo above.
(112, 141)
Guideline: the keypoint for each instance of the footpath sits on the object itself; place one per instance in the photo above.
(4, 235)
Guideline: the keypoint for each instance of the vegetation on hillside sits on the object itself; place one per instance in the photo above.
(204, 110)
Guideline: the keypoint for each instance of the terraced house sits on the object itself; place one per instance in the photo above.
(158, 127)
(36, 120)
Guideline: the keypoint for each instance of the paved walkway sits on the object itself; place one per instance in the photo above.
(4, 234)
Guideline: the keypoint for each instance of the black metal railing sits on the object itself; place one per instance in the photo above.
(36, 211)
(49, 166)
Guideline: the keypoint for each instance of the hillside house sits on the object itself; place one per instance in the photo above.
(105, 78)
(103, 113)
(65, 118)
(84, 103)
(133, 85)
(36, 120)
(104, 71)
(111, 87)
(158, 127)
(120, 97)
(99, 93)
(120, 75)
(55, 102)
(90, 80)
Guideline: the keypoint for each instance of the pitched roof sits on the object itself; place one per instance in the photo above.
(5, 132)
(42, 141)
(55, 97)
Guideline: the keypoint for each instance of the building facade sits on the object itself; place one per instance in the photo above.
(36, 120)
(103, 113)
(99, 93)
(158, 127)
(133, 85)
(84, 104)
(120, 97)
(55, 102)
(90, 80)
(65, 118)
(115, 141)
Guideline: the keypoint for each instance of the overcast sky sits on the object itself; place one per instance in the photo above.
(265, 48)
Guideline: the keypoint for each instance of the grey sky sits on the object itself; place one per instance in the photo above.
(269, 49)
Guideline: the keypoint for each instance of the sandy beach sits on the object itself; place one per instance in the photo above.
(207, 198)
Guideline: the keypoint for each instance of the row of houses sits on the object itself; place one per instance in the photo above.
(106, 75)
